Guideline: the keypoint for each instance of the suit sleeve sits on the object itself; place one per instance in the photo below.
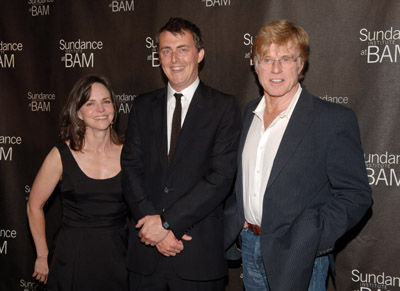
(233, 219)
(216, 184)
(351, 193)
(132, 164)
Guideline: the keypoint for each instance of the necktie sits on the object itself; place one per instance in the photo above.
(176, 126)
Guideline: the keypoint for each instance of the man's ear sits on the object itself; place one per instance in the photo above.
(200, 56)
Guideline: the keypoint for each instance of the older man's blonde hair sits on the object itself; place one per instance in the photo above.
(280, 32)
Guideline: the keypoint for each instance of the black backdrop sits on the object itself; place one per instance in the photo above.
(46, 45)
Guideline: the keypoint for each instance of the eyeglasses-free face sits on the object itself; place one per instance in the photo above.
(179, 58)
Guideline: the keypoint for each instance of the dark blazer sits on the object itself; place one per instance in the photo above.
(318, 189)
(191, 191)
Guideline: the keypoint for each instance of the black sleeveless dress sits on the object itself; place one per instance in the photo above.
(90, 248)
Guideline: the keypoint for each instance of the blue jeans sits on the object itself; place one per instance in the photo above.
(319, 274)
(254, 276)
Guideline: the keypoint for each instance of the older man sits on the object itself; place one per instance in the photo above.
(301, 180)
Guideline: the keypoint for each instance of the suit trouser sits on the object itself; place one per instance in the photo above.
(254, 275)
(165, 278)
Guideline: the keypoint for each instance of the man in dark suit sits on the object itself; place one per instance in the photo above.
(301, 180)
(179, 164)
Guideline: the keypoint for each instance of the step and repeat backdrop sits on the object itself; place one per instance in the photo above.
(47, 45)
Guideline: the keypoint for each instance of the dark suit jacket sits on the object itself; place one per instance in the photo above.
(191, 191)
(317, 190)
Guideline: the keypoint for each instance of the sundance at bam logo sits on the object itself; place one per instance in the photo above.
(153, 56)
(122, 6)
(216, 3)
(335, 99)
(248, 42)
(31, 285)
(75, 54)
(382, 45)
(7, 53)
(375, 282)
(383, 169)
(125, 102)
(39, 7)
(7, 144)
(40, 101)
(5, 235)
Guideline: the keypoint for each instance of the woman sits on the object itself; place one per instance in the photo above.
(89, 250)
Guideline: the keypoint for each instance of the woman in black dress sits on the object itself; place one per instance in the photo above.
(89, 249)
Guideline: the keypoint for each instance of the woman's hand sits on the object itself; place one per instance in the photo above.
(41, 269)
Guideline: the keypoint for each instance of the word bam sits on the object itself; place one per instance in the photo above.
(212, 3)
(124, 108)
(388, 177)
(40, 10)
(3, 248)
(40, 105)
(78, 60)
(124, 6)
(7, 61)
(6, 155)
(376, 55)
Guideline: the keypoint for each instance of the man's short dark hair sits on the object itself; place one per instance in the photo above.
(177, 25)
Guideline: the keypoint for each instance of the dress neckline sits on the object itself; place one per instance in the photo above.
(80, 169)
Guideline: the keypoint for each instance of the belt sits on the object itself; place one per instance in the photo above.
(255, 228)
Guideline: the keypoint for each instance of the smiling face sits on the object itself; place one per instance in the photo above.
(278, 81)
(179, 58)
(98, 111)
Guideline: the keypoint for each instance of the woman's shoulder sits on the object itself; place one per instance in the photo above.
(53, 160)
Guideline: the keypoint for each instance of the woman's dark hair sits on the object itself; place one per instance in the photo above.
(72, 127)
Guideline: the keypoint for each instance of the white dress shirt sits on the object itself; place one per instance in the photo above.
(258, 157)
(187, 97)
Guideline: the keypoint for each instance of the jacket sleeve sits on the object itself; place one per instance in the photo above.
(351, 193)
(132, 164)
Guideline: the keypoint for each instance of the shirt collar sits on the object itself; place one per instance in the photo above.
(259, 111)
(188, 92)
(289, 110)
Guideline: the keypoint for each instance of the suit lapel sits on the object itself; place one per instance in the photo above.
(160, 125)
(298, 126)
